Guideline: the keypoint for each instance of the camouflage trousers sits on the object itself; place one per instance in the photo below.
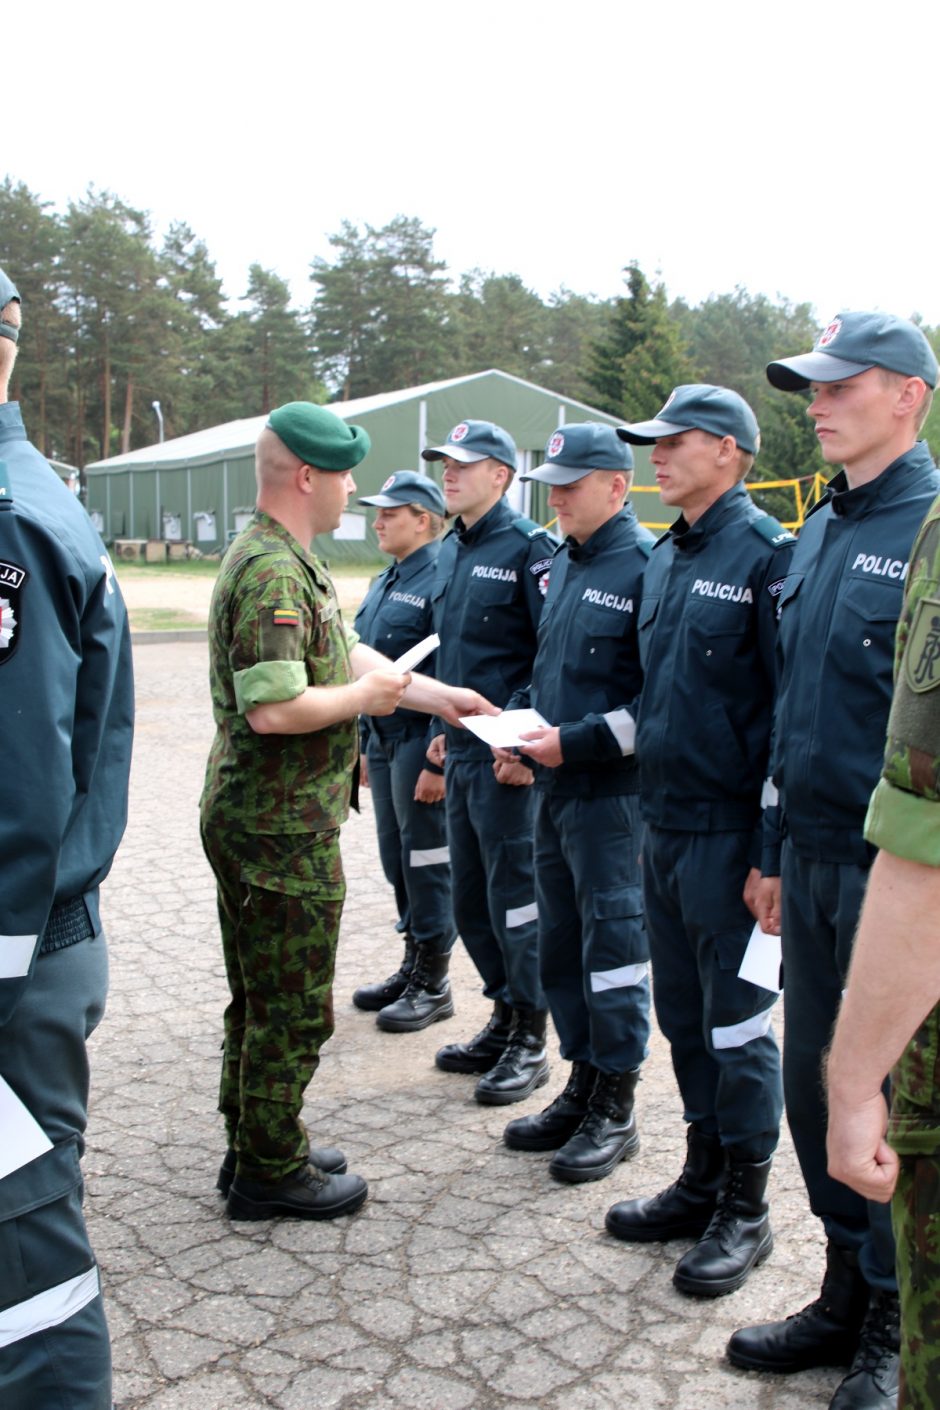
(916, 1216)
(280, 900)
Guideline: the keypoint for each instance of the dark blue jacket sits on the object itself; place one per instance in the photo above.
(707, 634)
(838, 610)
(66, 704)
(487, 599)
(588, 661)
(396, 614)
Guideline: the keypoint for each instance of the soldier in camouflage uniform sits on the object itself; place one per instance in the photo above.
(288, 683)
(895, 978)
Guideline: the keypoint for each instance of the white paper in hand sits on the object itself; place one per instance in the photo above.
(761, 963)
(23, 1137)
(412, 658)
(503, 731)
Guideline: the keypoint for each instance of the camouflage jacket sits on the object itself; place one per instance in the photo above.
(275, 628)
(904, 817)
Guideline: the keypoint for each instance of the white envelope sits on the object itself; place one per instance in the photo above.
(412, 658)
(23, 1137)
(761, 963)
(503, 731)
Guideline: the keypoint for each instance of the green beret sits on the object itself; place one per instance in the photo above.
(320, 437)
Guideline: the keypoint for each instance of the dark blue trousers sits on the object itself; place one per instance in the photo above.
(723, 1048)
(489, 826)
(54, 1348)
(821, 903)
(593, 955)
(412, 841)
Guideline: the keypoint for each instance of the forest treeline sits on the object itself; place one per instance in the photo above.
(116, 320)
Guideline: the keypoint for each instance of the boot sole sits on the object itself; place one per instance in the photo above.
(470, 1067)
(518, 1094)
(575, 1175)
(414, 1025)
(224, 1182)
(790, 1368)
(696, 1287)
(239, 1208)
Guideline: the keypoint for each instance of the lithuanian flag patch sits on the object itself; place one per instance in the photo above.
(286, 617)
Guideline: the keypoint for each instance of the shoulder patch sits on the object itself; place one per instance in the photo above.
(922, 654)
(12, 581)
(529, 529)
(771, 530)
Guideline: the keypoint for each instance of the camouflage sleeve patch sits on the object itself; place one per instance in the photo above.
(352, 636)
(904, 824)
(268, 683)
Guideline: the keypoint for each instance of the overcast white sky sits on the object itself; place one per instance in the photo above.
(791, 149)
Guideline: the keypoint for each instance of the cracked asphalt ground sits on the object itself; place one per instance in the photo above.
(470, 1280)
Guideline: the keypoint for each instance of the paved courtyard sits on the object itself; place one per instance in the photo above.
(470, 1280)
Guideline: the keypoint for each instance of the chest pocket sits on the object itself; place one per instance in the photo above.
(605, 625)
(863, 643)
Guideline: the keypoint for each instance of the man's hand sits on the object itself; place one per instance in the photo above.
(751, 888)
(363, 772)
(460, 701)
(429, 787)
(437, 750)
(513, 773)
(858, 1153)
(380, 691)
(543, 745)
(767, 904)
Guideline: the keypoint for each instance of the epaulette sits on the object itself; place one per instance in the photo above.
(529, 529)
(772, 530)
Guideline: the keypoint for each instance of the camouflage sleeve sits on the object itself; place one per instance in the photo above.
(272, 621)
(903, 816)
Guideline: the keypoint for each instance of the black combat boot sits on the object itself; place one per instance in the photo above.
(682, 1211)
(607, 1134)
(426, 997)
(824, 1333)
(326, 1158)
(872, 1383)
(484, 1049)
(523, 1065)
(551, 1128)
(373, 997)
(306, 1193)
(738, 1236)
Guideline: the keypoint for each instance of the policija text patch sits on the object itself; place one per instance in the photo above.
(12, 581)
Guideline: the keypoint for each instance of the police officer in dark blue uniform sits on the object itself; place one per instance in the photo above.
(407, 789)
(66, 719)
(593, 953)
(871, 377)
(491, 578)
(707, 639)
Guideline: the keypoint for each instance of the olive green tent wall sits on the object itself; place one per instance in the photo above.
(211, 473)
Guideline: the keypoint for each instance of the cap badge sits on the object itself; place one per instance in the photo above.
(556, 445)
(388, 483)
(460, 432)
(829, 334)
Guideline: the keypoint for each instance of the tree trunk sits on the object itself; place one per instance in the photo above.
(128, 412)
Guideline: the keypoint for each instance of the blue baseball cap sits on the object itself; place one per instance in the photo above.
(407, 487)
(699, 407)
(476, 440)
(8, 292)
(853, 343)
(575, 451)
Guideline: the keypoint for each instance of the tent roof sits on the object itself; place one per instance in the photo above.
(238, 437)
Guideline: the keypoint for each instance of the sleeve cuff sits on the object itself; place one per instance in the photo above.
(268, 683)
(904, 824)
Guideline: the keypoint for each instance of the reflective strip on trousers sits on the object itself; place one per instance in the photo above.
(521, 915)
(737, 1034)
(16, 951)
(625, 977)
(49, 1308)
(431, 857)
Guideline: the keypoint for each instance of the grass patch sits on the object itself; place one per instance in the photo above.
(164, 619)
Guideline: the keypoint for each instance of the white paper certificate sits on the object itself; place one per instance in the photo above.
(413, 657)
(761, 963)
(503, 731)
(23, 1137)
